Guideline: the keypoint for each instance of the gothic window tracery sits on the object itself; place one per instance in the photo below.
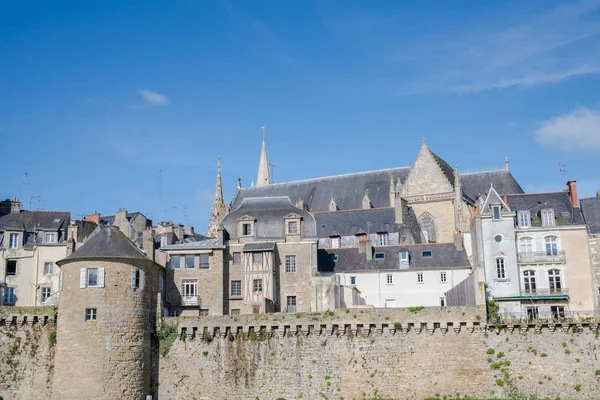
(427, 224)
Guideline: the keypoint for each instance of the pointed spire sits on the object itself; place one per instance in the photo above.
(366, 202)
(392, 192)
(506, 163)
(239, 184)
(218, 202)
(252, 183)
(333, 205)
(264, 174)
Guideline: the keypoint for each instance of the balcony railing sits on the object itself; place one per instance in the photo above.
(187, 301)
(547, 317)
(541, 256)
(545, 292)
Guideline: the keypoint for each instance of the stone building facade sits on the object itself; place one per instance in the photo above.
(591, 213)
(108, 305)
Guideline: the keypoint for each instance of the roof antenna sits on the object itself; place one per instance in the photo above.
(562, 171)
(24, 182)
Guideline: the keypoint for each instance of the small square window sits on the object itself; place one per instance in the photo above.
(204, 313)
(389, 278)
(189, 261)
(204, 261)
(235, 311)
(175, 262)
(353, 280)
(290, 264)
(257, 285)
(50, 238)
(48, 268)
(379, 256)
(257, 258)
(246, 229)
(92, 277)
(426, 253)
(336, 242)
(420, 277)
(524, 219)
(173, 313)
(11, 268)
(443, 277)
(236, 288)
(45, 293)
(292, 227)
(237, 258)
(90, 314)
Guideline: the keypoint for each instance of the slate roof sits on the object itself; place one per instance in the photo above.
(591, 213)
(444, 255)
(29, 221)
(110, 219)
(259, 246)
(560, 202)
(106, 243)
(348, 190)
(269, 213)
(373, 220)
(207, 243)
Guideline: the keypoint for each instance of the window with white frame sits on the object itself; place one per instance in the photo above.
(50, 238)
(496, 210)
(353, 280)
(48, 268)
(204, 261)
(554, 280)
(383, 238)
(443, 277)
(137, 278)
(529, 281)
(257, 285)
(91, 277)
(335, 242)
(90, 314)
(292, 227)
(524, 219)
(189, 288)
(404, 259)
(14, 240)
(526, 245)
(420, 277)
(9, 296)
(290, 263)
(189, 261)
(45, 293)
(257, 258)
(237, 258)
(548, 218)
(247, 229)
(500, 268)
(551, 245)
(389, 278)
(236, 288)
(175, 262)
(173, 313)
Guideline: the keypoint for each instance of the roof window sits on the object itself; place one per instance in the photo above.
(426, 253)
(565, 213)
(379, 256)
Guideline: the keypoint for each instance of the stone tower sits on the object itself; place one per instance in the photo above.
(264, 174)
(107, 317)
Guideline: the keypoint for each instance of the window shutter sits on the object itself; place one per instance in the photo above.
(100, 277)
(133, 277)
(82, 277)
(60, 279)
(142, 279)
(161, 283)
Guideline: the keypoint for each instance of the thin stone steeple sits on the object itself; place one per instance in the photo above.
(264, 174)
(218, 202)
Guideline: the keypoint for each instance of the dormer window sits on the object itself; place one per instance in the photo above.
(383, 238)
(379, 256)
(403, 259)
(292, 224)
(246, 229)
(336, 242)
(50, 238)
(548, 218)
(496, 212)
(292, 227)
(14, 240)
(524, 219)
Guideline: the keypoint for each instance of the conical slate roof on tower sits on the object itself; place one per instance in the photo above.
(107, 243)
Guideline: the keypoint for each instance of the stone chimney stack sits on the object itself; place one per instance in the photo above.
(572, 187)
(399, 210)
(366, 247)
(72, 230)
(458, 242)
(178, 231)
(95, 217)
(188, 230)
(220, 235)
(148, 243)
(15, 206)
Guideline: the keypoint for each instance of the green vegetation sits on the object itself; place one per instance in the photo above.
(166, 334)
(52, 336)
(397, 325)
(298, 315)
(567, 351)
(499, 382)
(543, 355)
(415, 309)
(597, 372)
(491, 351)
(500, 354)
(577, 387)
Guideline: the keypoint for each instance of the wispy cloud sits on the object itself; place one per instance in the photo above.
(509, 49)
(151, 99)
(579, 129)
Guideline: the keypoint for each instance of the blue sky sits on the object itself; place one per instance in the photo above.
(96, 97)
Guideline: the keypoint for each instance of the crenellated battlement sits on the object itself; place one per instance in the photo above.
(20, 316)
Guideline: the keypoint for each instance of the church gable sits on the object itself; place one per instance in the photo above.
(492, 199)
(426, 176)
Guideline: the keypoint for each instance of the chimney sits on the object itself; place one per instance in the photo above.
(458, 243)
(15, 206)
(73, 230)
(572, 185)
(398, 210)
(220, 235)
(598, 193)
(366, 247)
(95, 218)
(188, 230)
(148, 243)
(5, 206)
(178, 231)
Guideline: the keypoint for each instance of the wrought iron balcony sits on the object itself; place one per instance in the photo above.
(545, 292)
(541, 257)
(187, 301)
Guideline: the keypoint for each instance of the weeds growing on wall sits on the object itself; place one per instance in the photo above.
(166, 335)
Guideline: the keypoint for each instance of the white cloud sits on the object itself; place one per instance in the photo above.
(579, 129)
(151, 98)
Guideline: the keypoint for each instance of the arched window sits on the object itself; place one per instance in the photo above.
(427, 224)
(551, 246)
(500, 268)
(529, 278)
(526, 245)
(554, 280)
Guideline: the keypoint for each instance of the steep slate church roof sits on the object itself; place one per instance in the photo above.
(106, 243)
(348, 190)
